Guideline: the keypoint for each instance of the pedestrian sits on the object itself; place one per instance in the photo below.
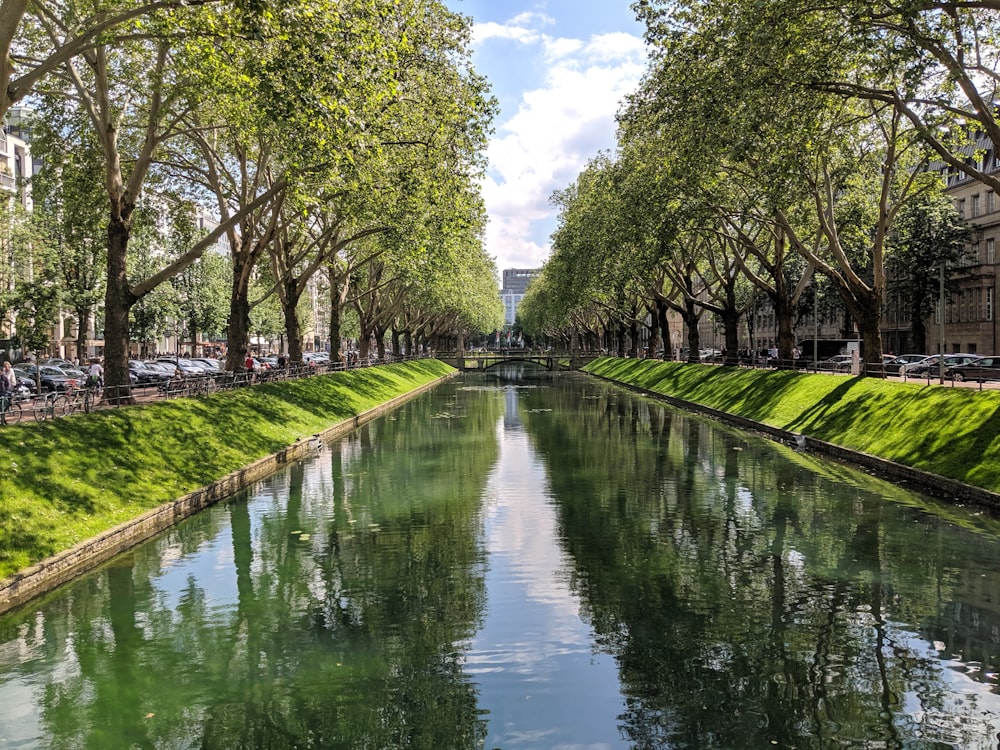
(7, 384)
(8, 377)
(251, 366)
(95, 374)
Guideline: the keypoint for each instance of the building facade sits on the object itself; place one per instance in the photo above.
(970, 320)
(515, 284)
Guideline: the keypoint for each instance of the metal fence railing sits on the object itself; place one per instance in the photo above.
(52, 405)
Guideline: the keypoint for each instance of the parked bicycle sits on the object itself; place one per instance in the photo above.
(86, 398)
(10, 409)
(94, 393)
(48, 406)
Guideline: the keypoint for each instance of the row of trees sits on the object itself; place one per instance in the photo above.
(339, 141)
(774, 150)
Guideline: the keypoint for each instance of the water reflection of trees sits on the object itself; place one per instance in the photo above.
(354, 579)
(750, 601)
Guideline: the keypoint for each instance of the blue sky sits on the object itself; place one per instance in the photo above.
(559, 69)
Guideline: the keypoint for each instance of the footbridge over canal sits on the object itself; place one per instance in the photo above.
(551, 361)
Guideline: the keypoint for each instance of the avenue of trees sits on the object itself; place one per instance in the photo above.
(336, 145)
(777, 153)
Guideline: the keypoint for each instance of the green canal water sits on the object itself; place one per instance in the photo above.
(529, 562)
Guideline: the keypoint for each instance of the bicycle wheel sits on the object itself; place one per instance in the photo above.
(88, 400)
(13, 414)
(64, 405)
(42, 408)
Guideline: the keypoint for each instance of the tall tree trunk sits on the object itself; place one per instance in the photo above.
(691, 318)
(293, 329)
(82, 327)
(865, 307)
(731, 331)
(654, 336)
(118, 300)
(664, 323)
(334, 319)
(238, 332)
(783, 316)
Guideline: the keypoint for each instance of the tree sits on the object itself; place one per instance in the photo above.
(67, 197)
(928, 234)
(836, 171)
(134, 98)
(38, 37)
(37, 303)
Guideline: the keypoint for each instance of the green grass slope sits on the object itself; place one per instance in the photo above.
(67, 480)
(951, 432)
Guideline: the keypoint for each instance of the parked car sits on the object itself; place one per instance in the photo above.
(932, 365)
(57, 362)
(188, 368)
(52, 378)
(984, 368)
(146, 374)
(894, 366)
(212, 366)
(24, 380)
(837, 363)
(907, 368)
(167, 368)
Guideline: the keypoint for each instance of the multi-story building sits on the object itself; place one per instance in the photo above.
(16, 169)
(515, 284)
(970, 320)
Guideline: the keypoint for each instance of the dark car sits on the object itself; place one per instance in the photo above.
(52, 378)
(932, 365)
(984, 368)
(24, 380)
(145, 374)
(188, 368)
(211, 366)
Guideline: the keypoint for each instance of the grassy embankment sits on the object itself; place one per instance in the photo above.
(67, 480)
(951, 432)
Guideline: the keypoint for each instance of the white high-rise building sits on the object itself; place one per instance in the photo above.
(515, 284)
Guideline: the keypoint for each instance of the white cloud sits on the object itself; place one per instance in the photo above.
(562, 121)
(521, 28)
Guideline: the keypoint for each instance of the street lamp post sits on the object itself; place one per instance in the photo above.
(941, 328)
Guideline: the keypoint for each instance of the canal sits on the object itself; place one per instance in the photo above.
(529, 561)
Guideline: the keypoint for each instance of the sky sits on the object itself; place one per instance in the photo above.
(559, 69)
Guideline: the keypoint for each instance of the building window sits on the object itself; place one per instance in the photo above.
(975, 205)
(991, 250)
(991, 201)
(961, 208)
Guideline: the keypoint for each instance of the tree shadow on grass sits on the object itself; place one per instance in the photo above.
(824, 413)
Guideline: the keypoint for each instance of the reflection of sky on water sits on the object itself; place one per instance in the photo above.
(536, 672)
